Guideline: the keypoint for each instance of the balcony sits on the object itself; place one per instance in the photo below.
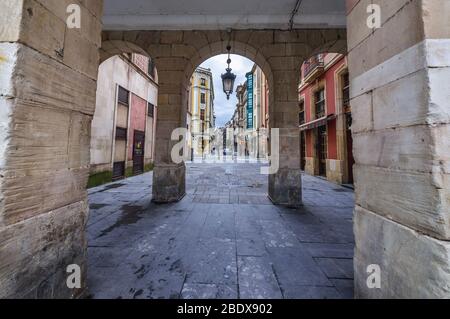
(313, 68)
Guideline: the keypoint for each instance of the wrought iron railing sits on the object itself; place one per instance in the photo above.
(313, 63)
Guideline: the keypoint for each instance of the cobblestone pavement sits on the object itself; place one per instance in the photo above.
(223, 240)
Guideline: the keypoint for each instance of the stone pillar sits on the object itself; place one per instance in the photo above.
(47, 97)
(399, 89)
(285, 186)
(169, 178)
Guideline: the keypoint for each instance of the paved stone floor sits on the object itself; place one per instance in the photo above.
(223, 240)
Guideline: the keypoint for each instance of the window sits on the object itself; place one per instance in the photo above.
(124, 96)
(121, 133)
(202, 115)
(150, 109)
(301, 115)
(118, 170)
(203, 98)
(345, 91)
(319, 99)
(203, 82)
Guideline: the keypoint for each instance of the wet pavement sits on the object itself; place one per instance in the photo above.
(225, 239)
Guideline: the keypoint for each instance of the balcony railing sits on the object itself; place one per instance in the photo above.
(313, 66)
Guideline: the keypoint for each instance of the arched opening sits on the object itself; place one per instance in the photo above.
(325, 118)
(124, 122)
(228, 129)
(122, 148)
(398, 67)
(172, 249)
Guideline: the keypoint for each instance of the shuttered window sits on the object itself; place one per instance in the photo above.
(320, 103)
(151, 109)
(124, 96)
(121, 133)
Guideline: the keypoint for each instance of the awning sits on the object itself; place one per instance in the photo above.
(316, 123)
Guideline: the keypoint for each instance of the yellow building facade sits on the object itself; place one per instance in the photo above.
(200, 117)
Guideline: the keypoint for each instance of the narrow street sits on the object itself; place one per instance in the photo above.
(223, 240)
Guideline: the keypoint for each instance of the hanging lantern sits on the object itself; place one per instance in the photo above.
(228, 78)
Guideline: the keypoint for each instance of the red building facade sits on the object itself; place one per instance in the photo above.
(325, 118)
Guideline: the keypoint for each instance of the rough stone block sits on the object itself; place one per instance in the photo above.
(35, 253)
(402, 102)
(285, 187)
(75, 46)
(439, 95)
(259, 38)
(8, 60)
(356, 24)
(416, 148)
(171, 37)
(79, 140)
(48, 83)
(42, 30)
(436, 22)
(295, 36)
(11, 16)
(362, 113)
(412, 265)
(401, 65)
(169, 183)
(274, 50)
(417, 200)
(403, 31)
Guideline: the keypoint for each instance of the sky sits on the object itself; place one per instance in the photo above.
(224, 109)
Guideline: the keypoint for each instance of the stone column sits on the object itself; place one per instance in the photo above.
(169, 181)
(285, 186)
(399, 89)
(47, 97)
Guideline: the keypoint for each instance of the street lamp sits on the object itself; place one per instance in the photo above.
(228, 78)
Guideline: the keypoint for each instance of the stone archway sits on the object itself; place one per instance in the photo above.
(279, 54)
(48, 97)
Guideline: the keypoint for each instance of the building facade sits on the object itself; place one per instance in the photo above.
(123, 127)
(251, 117)
(200, 113)
(325, 118)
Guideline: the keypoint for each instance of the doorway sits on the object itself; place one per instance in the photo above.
(138, 152)
(302, 151)
(322, 149)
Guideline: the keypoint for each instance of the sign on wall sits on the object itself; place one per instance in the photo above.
(249, 100)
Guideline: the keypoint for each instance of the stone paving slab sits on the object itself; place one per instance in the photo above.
(225, 239)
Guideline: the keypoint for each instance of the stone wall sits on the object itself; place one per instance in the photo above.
(48, 78)
(401, 146)
(335, 171)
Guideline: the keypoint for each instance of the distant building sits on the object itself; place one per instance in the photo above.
(200, 113)
(123, 127)
(325, 118)
(251, 117)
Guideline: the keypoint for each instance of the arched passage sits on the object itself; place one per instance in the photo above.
(280, 55)
(49, 91)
